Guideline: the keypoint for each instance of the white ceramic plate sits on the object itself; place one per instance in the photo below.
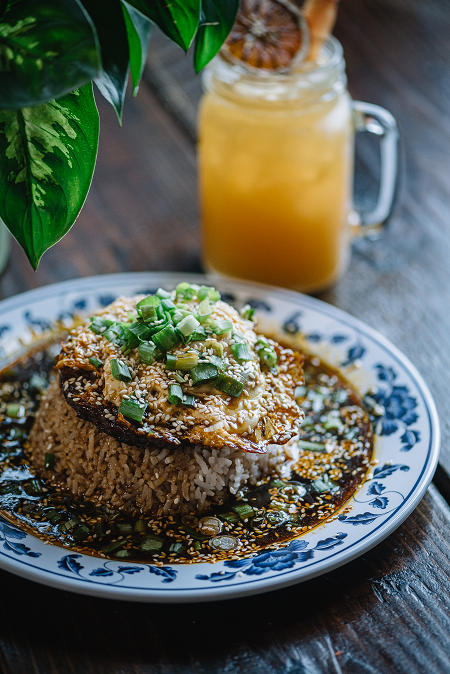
(407, 449)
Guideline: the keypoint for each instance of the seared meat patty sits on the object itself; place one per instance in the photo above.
(182, 368)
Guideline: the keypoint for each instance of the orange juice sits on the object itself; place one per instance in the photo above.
(276, 168)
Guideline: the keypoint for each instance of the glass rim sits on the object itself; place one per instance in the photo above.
(331, 45)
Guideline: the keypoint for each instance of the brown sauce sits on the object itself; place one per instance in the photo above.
(336, 440)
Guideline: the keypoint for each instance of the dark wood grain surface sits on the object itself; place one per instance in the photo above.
(388, 611)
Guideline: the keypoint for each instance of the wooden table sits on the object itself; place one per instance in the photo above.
(388, 611)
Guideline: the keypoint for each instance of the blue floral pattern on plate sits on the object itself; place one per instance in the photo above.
(406, 422)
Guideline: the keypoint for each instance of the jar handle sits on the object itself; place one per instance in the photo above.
(377, 120)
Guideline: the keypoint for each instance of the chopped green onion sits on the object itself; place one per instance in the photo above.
(95, 361)
(112, 547)
(215, 346)
(125, 528)
(186, 290)
(151, 543)
(203, 372)
(187, 361)
(49, 460)
(179, 315)
(158, 325)
(198, 335)
(168, 305)
(166, 339)
(175, 394)
(177, 547)
(132, 409)
(268, 357)
(261, 342)
(140, 526)
(247, 312)
(99, 324)
(171, 362)
(67, 526)
(188, 325)
(119, 335)
(333, 422)
(131, 316)
(244, 511)
(229, 385)
(148, 353)
(204, 310)
(141, 331)
(163, 294)
(38, 383)
(179, 377)
(324, 484)
(188, 400)
(221, 327)
(193, 533)
(147, 307)
(218, 362)
(311, 446)
(119, 370)
(123, 554)
(208, 292)
(10, 489)
(81, 532)
(241, 351)
(15, 411)
(232, 518)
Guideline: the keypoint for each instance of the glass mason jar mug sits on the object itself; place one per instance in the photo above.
(276, 172)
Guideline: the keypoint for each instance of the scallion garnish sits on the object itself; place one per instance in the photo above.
(188, 400)
(218, 362)
(324, 483)
(186, 290)
(204, 310)
(49, 460)
(187, 361)
(163, 294)
(147, 307)
(229, 385)
(188, 325)
(15, 411)
(100, 324)
(168, 305)
(132, 409)
(203, 372)
(208, 292)
(199, 335)
(178, 377)
(221, 326)
(175, 394)
(311, 446)
(166, 339)
(116, 334)
(268, 357)
(148, 353)
(141, 331)
(171, 362)
(95, 361)
(119, 370)
(216, 346)
(247, 312)
(179, 315)
(241, 351)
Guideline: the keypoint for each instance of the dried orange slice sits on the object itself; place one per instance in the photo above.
(268, 34)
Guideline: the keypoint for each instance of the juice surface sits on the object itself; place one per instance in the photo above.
(276, 189)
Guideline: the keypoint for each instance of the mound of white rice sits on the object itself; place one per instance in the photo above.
(155, 481)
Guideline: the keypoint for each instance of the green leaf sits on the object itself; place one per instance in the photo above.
(138, 31)
(108, 19)
(217, 20)
(178, 19)
(47, 158)
(46, 50)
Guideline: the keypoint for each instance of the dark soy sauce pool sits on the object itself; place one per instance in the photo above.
(336, 448)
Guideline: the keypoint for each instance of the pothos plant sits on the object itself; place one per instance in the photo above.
(51, 53)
